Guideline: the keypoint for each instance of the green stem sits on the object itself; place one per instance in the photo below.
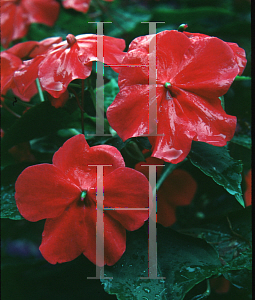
(82, 105)
(14, 100)
(10, 111)
(39, 90)
(169, 168)
(239, 78)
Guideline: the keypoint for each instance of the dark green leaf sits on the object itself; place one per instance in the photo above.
(39, 121)
(243, 140)
(183, 262)
(8, 205)
(218, 164)
(211, 250)
(111, 89)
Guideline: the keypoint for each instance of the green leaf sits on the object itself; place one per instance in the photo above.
(218, 164)
(111, 89)
(8, 205)
(231, 237)
(39, 121)
(183, 261)
(128, 19)
(201, 19)
(243, 140)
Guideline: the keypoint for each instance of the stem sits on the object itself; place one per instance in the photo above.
(10, 111)
(167, 171)
(92, 94)
(82, 105)
(205, 294)
(238, 78)
(23, 103)
(39, 90)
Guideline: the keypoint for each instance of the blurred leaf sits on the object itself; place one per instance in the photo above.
(39, 121)
(126, 20)
(242, 140)
(110, 89)
(8, 205)
(218, 164)
(200, 19)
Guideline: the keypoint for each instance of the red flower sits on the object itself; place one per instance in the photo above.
(79, 5)
(11, 61)
(54, 192)
(178, 189)
(17, 15)
(21, 152)
(191, 76)
(220, 285)
(248, 192)
(68, 60)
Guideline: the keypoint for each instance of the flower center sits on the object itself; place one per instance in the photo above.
(169, 96)
(167, 85)
(71, 40)
(83, 195)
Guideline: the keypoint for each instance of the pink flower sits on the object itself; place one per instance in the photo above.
(17, 15)
(68, 60)
(79, 5)
(191, 76)
(55, 192)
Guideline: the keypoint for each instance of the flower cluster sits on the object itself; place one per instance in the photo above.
(192, 72)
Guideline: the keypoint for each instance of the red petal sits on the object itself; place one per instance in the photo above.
(75, 155)
(74, 232)
(171, 49)
(248, 192)
(43, 191)
(126, 188)
(112, 50)
(64, 238)
(27, 74)
(14, 23)
(240, 56)
(239, 53)
(45, 12)
(175, 145)
(31, 49)
(28, 94)
(60, 101)
(9, 64)
(179, 188)
(208, 68)
(114, 238)
(207, 118)
(79, 5)
(165, 212)
(65, 66)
